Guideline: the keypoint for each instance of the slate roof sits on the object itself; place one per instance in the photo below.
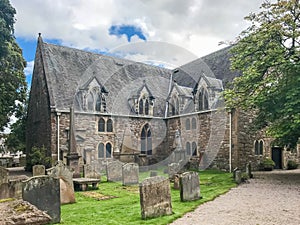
(68, 69)
(214, 65)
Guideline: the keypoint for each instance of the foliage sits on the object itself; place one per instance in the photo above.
(291, 165)
(125, 209)
(268, 164)
(38, 156)
(12, 79)
(268, 55)
(16, 139)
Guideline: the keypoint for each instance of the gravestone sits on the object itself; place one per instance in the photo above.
(3, 175)
(173, 168)
(38, 170)
(89, 171)
(130, 174)
(189, 186)
(155, 197)
(44, 193)
(238, 176)
(176, 181)
(114, 171)
(65, 176)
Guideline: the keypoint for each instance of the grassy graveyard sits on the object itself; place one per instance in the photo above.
(113, 203)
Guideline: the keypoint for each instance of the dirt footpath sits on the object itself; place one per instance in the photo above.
(268, 198)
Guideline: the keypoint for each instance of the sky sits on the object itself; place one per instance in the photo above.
(161, 32)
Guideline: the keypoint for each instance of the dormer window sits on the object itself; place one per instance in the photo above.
(203, 99)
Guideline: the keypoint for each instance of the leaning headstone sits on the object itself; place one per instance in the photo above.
(238, 176)
(155, 197)
(130, 174)
(44, 193)
(38, 170)
(189, 186)
(3, 175)
(89, 171)
(173, 169)
(114, 171)
(61, 171)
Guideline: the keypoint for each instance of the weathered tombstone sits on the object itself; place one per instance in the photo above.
(176, 181)
(189, 186)
(38, 170)
(153, 173)
(130, 174)
(3, 175)
(114, 171)
(248, 170)
(65, 176)
(173, 169)
(155, 197)
(89, 171)
(234, 171)
(44, 193)
(238, 176)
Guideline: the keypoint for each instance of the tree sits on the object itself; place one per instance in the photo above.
(12, 79)
(268, 55)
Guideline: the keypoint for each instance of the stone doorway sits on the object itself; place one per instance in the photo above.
(277, 157)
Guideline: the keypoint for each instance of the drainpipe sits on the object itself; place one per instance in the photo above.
(230, 142)
(58, 127)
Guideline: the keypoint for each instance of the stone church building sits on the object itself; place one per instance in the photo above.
(134, 112)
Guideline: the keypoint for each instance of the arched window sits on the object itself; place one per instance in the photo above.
(90, 102)
(194, 123)
(98, 103)
(141, 107)
(108, 150)
(203, 100)
(146, 140)
(194, 148)
(109, 125)
(101, 150)
(101, 125)
(146, 107)
(261, 147)
(256, 147)
(188, 148)
(187, 124)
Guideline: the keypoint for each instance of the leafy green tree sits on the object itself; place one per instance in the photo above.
(268, 55)
(12, 79)
(16, 139)
(38, 156)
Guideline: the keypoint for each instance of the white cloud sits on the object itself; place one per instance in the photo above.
(29, 68)
(197, 25)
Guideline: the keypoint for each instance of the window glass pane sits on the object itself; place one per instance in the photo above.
(101, 150)
(146, 107)
(194, 124)
(256, 148)
(109, 126)
(261, 147)
(149, 143)
(141, 107)
(98, 103)
(108, 150)
(194, 148)
(90, 100)
(187, 124)
(101, 125)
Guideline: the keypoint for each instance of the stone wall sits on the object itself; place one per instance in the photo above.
(38, 127)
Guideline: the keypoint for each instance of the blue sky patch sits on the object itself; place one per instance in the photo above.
(128, 30)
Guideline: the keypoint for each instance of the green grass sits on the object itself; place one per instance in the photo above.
(125, 209)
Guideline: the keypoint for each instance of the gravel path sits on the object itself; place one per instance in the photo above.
(268, 198)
